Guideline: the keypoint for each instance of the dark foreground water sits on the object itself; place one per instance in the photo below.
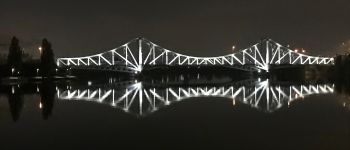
(249, 114)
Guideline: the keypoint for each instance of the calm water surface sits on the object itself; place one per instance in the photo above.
(163, 114)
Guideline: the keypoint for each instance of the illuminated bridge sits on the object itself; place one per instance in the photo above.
(141, 99)
(141, 53)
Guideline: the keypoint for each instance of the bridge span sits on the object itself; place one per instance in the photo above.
(140, 53)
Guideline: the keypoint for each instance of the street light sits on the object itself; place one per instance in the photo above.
(12, 70)
(233, 48)
(40, 49)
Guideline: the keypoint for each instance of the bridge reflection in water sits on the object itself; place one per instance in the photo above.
(141, 98)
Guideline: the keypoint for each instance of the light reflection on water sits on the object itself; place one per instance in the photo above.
(141, 98)
(189, 111)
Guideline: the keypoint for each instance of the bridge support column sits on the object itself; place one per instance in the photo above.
(267, 63)
(139, 67)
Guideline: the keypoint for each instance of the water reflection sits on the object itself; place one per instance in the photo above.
(47, 95)
(143, 98)
(15, 95)
(15, 100)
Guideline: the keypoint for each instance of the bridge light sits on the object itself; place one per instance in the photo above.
(296, 50)
(89, 83)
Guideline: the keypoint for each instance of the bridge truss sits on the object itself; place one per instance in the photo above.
(141, 53)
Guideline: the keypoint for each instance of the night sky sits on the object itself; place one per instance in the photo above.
(199, 28)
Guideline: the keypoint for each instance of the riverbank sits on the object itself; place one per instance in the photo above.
(35, 79)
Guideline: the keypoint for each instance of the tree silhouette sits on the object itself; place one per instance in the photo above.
(14, 59)
(48, 64)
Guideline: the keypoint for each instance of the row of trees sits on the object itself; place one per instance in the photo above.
(47, 60)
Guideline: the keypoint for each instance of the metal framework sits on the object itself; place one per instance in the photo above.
(139, 53)
(142, 100)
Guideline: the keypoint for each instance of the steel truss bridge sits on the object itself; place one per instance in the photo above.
(141, 99)
(141, 53)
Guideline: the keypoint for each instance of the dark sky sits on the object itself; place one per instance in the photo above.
(200, 28)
